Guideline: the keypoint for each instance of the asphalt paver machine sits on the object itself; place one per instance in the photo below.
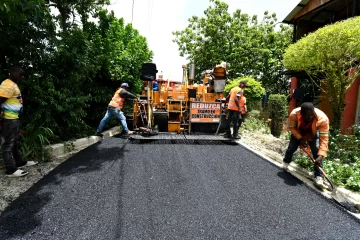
(182, 108)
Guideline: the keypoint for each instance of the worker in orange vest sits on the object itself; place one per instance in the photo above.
(234, 109)
(114, 109)
(304, 123)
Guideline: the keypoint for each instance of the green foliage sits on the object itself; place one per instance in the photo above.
(75, 67)
(69, 10)
(255, 124)
(32, 20)
(327, 55)
(251, 48)
(278, 111)
(34, 145)
(343, 165)
(253, 93)
(303, 161)
(343, 161)
(277, 106)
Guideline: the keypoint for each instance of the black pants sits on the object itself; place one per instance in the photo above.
(293, 146)
(10, 145)
(233, 116)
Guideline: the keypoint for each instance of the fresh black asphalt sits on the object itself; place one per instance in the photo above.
(122, 189)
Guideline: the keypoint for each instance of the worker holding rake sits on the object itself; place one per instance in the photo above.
(304, 123)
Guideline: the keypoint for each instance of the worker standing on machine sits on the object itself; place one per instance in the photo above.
(234, 109)
(114, 109)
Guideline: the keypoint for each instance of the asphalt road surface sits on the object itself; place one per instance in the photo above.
(172, 190)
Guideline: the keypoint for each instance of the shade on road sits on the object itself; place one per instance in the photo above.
(122, 189)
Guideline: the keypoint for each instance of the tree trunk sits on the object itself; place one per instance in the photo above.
(337, 99)
(338, 111)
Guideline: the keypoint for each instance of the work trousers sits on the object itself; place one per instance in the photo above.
(113, 112)
(293, 146)
(233, 116)
(10, 145)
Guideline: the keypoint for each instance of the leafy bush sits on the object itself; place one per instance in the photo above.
(255, 124)
(326, 55)
(34, 145)
(277, 108)
(343, 161)
(303, 161)
(253, 93)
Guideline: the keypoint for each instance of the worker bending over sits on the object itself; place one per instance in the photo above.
(304, 122)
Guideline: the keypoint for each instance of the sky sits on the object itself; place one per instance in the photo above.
(157, 19)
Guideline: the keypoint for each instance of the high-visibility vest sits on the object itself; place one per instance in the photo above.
(117, 101)
(320, 123)
(242, 103)
(232, 104)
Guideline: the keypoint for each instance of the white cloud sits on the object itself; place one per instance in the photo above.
(157, 19)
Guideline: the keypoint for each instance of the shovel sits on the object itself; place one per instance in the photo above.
(337, 196)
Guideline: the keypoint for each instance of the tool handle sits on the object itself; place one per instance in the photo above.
(306, 149)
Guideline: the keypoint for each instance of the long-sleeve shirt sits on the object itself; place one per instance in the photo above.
(126, 94)
(320, 123)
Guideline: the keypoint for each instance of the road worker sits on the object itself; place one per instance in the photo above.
(115, 109)
(234, 100)
(306, 123)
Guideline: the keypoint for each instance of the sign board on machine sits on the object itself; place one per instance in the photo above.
(205, 112)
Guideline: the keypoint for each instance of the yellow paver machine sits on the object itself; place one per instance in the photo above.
(181, 108)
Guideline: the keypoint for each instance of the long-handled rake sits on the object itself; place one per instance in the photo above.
(337, 196)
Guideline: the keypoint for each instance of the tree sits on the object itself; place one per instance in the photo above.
(82, 72)
(75, 66)
(252, 48)
(330, 56)
(70, 10)
(26, 32)
(118, 52)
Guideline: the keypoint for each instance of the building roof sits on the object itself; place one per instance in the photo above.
(320, 12)
(295, 11)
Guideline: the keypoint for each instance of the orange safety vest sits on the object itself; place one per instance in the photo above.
(320, 123)
(232, 104)
(242, 103)
(117, 101)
